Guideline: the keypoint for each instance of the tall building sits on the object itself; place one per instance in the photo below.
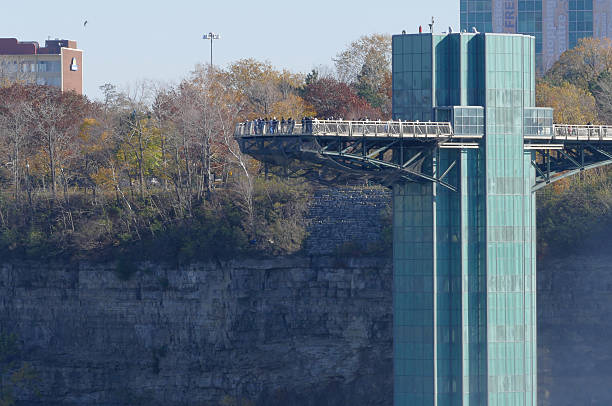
(556, 24)
(464, 262)
(59, 63)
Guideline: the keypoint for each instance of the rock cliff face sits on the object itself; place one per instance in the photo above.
(294, 331)
(304, 330)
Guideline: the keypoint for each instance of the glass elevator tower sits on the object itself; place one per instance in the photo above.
(464, 262)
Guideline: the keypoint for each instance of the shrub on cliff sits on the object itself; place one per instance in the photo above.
(154, 228)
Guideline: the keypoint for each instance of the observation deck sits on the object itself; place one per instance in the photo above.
(388, 151)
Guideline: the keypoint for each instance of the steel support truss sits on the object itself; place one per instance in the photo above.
(384, 160)
(554, 162)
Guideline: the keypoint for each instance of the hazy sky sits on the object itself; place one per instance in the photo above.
(127, 41)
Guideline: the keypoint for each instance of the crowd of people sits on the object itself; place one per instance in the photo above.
(260, 126)
(273, 125)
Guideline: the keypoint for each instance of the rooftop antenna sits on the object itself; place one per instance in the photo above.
(431, 25)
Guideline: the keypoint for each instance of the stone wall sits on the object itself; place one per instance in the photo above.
(346, 215)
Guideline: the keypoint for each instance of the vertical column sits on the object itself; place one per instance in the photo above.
(427, 290)
(447, 253)
(473, 282)
(413, 298)
(509, 222)
(530, 314)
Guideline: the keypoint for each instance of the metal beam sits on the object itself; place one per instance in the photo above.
(411, 160)
(540, 185)
(448, 170)
(380, 150)
(394, 166)
(570, 158)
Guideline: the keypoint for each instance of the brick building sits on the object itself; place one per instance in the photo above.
(59, 63)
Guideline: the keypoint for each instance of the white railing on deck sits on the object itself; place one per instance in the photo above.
(563, 132)
(347, 128)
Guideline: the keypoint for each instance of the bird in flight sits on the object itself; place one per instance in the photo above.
(85, 24)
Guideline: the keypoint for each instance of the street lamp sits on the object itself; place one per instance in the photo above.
(211, 36)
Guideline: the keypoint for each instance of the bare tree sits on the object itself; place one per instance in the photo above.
(372, 51)
(56, 118)
(14, 130)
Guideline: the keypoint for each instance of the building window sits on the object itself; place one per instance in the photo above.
(54, 81)
(49, 66)
(27, 67)
(476, 13)
(530, 22)
(580, 20)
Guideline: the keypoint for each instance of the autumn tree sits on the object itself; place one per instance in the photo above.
(15, 127)
(266, 91)
(602, 91)
(55, 117)
(584, 64)
(366, 65)
(332, 98)
(140, 148)
(572, 105)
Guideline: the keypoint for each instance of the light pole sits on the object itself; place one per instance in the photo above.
(211, 36)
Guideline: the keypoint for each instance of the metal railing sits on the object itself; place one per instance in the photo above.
(415, 129)
(346, 128)
(267, 128)
(565, 132)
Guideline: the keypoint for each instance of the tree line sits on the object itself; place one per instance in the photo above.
(156, 165)
(79, 175)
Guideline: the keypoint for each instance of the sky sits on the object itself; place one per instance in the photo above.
(126, 42)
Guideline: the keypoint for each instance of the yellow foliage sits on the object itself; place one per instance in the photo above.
(264, 90)
(583, 64)
(103, 178)
(293, 106)
(92, 142)
(39, 163)
(572, 104)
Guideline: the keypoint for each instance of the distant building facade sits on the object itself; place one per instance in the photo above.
(556, 24)
(59, 63)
